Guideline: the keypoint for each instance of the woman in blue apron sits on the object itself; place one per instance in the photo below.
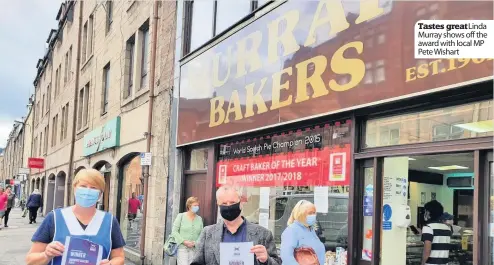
(81, 221)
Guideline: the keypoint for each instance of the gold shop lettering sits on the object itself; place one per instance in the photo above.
(328, 12)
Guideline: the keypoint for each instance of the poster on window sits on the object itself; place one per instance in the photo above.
(314, 157)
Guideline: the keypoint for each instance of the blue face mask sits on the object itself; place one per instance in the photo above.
(195, 209)
(311, 219)
(86, 197)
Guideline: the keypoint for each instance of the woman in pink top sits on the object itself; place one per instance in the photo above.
(3, 204)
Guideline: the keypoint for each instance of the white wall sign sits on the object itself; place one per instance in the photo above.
(23, 170)
(146, 159)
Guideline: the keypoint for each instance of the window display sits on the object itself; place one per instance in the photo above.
(274, 172)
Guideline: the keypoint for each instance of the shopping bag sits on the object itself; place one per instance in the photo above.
(24, 214)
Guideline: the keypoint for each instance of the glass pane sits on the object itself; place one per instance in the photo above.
(458, 122)
(132, 200)
(428, 198)
(202, 23)
(368, 212)
(276, 171)
(198, 159)
(229, 12)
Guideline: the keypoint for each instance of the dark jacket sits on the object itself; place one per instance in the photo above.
(34, 200)
(11, 201)
(208, 247)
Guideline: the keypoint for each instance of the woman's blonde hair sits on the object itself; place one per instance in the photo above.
(91, 176)
(299, 212)
(191, 201)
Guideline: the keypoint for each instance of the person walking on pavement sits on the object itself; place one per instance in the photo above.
(3, 204)
(33, 203)
(82, 221)
(10, 204)
(187, 228)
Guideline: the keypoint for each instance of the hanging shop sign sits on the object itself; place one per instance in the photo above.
(33, 162)
(317, 156)
(310, 58)
(104, 137)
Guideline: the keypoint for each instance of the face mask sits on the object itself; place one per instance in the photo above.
(195, 209)
(231, 212)
(311, 219)
(86, 197)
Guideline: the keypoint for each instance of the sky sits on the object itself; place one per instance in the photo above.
(24, 28)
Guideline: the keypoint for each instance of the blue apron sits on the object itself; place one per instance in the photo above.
(97, 231)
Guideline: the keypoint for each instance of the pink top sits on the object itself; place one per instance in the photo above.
(3, 201)
(134, 205)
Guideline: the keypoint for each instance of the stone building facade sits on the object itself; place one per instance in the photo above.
(103, 74)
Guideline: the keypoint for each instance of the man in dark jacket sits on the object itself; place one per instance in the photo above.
(33, 203)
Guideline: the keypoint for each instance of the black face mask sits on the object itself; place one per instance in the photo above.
(231, 212)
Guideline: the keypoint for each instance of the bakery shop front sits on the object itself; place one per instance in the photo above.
(324, 101)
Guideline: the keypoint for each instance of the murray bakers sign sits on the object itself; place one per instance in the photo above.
(309, 58)
(316, 156)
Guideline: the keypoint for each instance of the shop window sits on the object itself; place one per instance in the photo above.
(198, 159)
(304, 164)
(457, 122)
(414, 182)
(132, 203)
(490, 171)
(368, 213)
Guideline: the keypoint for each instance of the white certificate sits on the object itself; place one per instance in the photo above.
(236, 253)
(264, 198)
(321, 199)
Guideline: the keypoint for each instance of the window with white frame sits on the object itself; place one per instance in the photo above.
(106, 89)
(144, 32)
(130, 52)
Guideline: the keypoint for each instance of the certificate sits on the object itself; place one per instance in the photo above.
(81, 252)
(236, 253)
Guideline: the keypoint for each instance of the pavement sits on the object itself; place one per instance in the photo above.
(15, 240)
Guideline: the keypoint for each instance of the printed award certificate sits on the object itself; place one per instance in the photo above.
(236, 253)
(81, 252)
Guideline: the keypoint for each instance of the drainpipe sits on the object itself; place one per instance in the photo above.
(32, 142)
(74, 116)
(145, 173)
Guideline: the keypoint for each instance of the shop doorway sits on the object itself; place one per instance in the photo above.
(194, 187)
(59, 190)
(105, 169)
(489, 239)
(50, 193)
(410, 184)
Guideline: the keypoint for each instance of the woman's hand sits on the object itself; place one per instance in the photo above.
(105, 262)
(54, 249)
(189, 244)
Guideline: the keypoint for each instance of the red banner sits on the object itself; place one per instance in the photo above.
(35, 163)
(329, 166)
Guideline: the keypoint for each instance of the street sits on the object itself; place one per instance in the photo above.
(15, 240)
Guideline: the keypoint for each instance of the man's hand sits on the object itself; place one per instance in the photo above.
(260, 252)
(54, 249)
(105, 262)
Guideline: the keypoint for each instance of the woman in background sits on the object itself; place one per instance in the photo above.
(33, 203)
(10, 204)
(300, 233)
(186, 230)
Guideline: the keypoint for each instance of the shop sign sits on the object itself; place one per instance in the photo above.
(38, 163)
(310, 58)
(106, 136)
(23, 170)
(387, 214)
(303, 158)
